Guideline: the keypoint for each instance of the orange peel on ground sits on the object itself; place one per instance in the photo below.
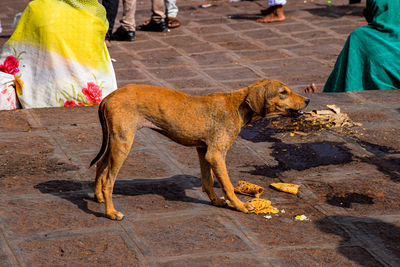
(249, 189)
(288, 188)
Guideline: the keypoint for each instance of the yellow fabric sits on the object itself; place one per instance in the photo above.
(58, 55)
(57, 26)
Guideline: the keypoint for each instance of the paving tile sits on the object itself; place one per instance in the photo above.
(14, 121)
(25, 216)
(234, 85)
(130, 74)
(210, 59)
(190, 83)
(199, 47)
(384, 233)
(146, 164)
(120, 62)
(172, 73)
(262, 34)
(206, 30)
(176, 236)
(380, 97)
(311, 35)
(346, 256)
(215, 261)
(80, 138)
(295, 27)
(158, 54)
(32, 155)
(77, 115)
(261, 55)
(232, 74)
(245, 25)
(98, 249)
(284, 231)
(359, 196)
(170, 62)
(344, 29)
(138, 197)
(238, 45)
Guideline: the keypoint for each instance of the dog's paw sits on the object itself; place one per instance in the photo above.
(219, 202)
(245, 208)
(118, 216)
(249, 206)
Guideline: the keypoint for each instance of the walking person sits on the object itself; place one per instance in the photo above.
(274, 12)
(126, 32)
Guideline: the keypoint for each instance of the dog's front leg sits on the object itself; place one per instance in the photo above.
(216, 159)
(207, 179)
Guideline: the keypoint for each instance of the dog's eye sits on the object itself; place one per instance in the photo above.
(284, 92)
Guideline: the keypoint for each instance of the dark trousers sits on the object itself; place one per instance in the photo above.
(111, 7)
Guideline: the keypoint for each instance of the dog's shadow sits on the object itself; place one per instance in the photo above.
(80, 192)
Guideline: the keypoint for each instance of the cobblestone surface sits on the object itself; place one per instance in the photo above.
(350, 180)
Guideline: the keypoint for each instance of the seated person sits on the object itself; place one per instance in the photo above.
(58, 55)
(370, 59)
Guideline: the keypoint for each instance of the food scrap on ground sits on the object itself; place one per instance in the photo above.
(249, 189)
(288, 188)
(332, 116)
(301, 218)
(315, 121)
(262, 206)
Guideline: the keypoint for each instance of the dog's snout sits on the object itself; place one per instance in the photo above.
(307, 101)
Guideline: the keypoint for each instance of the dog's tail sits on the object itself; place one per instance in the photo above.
(104, 128)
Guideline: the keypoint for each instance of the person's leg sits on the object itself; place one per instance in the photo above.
(126, 32)
(171, 8)
(111, 7)
(172, 11)
(158, 11)
(274, 13)
(157, 23)
(128, 22)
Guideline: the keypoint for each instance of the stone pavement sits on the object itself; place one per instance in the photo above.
(349, 180)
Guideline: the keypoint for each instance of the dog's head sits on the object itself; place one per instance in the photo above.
(272, 97)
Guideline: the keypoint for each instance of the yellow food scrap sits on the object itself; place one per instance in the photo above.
(262, 206)
(249, 189)
(288, 188)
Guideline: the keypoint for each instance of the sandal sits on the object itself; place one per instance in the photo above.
(173, 22)
(151, 25)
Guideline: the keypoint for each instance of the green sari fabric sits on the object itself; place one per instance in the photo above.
(370, 59)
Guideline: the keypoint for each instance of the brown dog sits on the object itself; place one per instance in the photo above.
(210, 123)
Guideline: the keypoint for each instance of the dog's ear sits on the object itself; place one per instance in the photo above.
(256, 99)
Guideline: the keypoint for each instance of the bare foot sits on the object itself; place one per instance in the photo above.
(312, 88)
(274, 14)
(267, 11)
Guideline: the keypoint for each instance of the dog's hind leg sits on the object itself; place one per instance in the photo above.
(119, 147)
(101, 171)
(207, 179)
(216, 159)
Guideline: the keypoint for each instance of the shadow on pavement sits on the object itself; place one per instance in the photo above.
(332, 11)
(172, 189)
(302, 156)
(245, 16)
(299, 156)
(380, 235)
